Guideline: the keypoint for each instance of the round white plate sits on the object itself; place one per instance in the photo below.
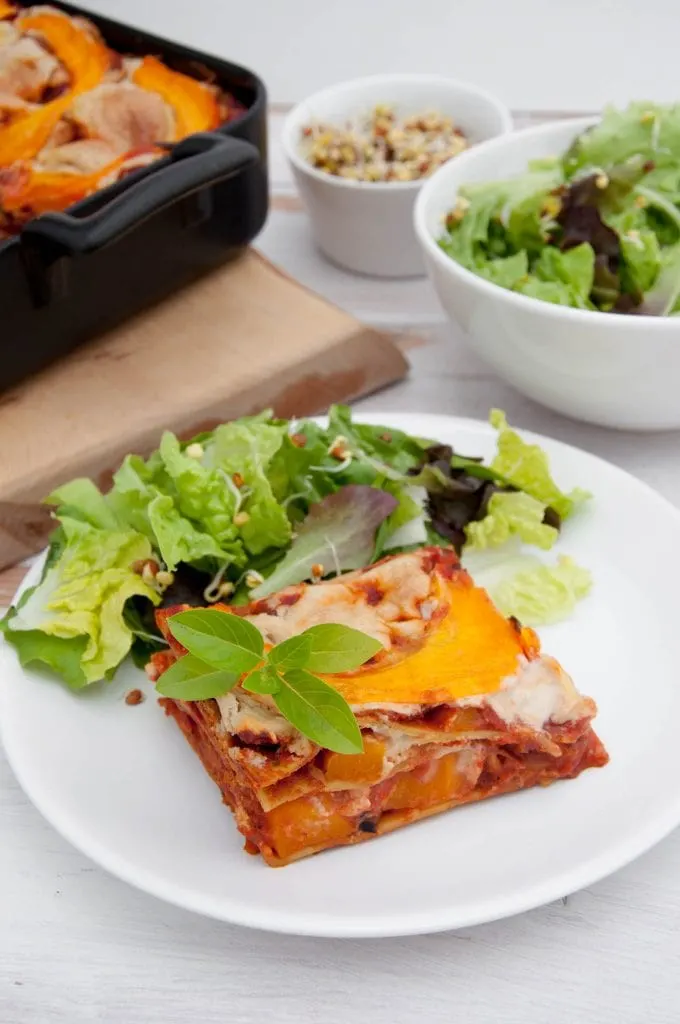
(122, 784)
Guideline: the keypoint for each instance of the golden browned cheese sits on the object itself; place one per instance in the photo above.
(443, 638)
(75, 116)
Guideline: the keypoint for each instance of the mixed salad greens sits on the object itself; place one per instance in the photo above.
(261, 503)
(597, 228)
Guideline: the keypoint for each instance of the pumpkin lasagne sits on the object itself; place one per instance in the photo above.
(459, 705)
(75, 116)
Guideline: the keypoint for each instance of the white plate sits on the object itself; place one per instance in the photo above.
(122, 784)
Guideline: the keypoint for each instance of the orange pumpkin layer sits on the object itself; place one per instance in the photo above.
(468, 647)
(85, 58)
(195, 105)
(470, 652)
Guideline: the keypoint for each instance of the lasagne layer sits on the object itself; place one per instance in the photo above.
(441, 779)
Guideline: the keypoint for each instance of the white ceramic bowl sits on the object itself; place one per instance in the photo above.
(368, 226)
(613, 370)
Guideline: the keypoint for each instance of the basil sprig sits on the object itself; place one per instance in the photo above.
(225, 650)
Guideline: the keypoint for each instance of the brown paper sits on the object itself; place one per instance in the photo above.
(244, 338)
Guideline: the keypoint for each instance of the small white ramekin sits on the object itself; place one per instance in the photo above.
(368, 226)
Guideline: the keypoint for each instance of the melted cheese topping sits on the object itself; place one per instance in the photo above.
(537, 693)
(470, 652)
(464, 654)
(540, 692)
(443, 639)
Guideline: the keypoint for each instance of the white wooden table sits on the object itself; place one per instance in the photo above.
(77, 946)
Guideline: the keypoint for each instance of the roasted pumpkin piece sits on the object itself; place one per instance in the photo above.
(85, 58)
(22, 188)
(195, 105)
(308, 822)
(427, 785)
(7, 10)
(358, 769)
(467, 720)
(470, 652)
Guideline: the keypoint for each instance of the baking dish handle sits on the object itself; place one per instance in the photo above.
(197, 162)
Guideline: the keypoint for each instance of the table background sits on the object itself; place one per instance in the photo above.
(79, 947)
(535, 53)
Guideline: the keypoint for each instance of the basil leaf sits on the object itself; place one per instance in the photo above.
(191, 679)
(336, 648)
(292, 653)
(222, 640)
(319, 712)
(262, 680)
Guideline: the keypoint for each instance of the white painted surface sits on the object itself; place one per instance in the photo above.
(532, 53)
(78, 947)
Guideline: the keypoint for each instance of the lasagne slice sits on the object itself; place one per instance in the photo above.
(461, 705)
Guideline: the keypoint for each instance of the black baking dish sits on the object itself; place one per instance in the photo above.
(68, 276)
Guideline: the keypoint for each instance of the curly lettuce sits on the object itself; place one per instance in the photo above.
(539, 594)
(511, 514)
(526, 466)
(72, 621)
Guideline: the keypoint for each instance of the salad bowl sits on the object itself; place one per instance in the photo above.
(605, 368)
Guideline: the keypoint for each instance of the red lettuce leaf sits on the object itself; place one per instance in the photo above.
(337, 535)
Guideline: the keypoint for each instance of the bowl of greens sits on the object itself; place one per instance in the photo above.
(557, 249)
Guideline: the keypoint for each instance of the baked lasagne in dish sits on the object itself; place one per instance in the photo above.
(459, 706)
(76, 116)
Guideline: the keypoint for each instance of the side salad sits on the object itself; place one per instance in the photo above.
(261, 503)
(596, 228)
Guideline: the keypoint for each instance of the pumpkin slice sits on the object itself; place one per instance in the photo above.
(195, 104)
(30, 192)
(85, 58)
(470, 652)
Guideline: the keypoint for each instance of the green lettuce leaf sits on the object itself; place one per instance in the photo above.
(383, 448)
(178, 540)
(664, 297)
(201, 492)
(541, 594)
(574, 268)
(131, 494)
(526, 467)
(468, 241)
(557, 292)
(511, 514)
(303, 472)
(507, 271)
(530, 223)
(247, 447)
(640, 251)
(406, 526)
(642, 129)
(82, 499)
(73, 621)
(487, 229)
(140, 504)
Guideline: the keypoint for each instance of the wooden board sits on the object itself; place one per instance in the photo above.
(244, 338)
